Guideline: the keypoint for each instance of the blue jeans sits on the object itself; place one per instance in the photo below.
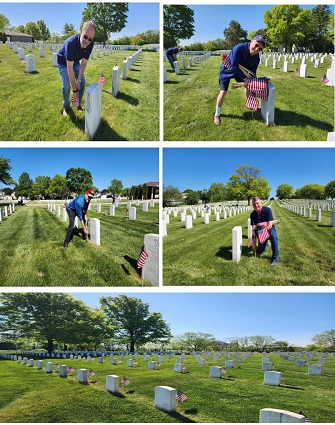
(66, 86)
(171, 60)
(274, 245)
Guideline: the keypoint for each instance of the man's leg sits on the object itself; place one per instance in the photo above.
(274, 246)
(76, 69)
(224, 84)
(69, 231)
(65, 87)
(171, 60)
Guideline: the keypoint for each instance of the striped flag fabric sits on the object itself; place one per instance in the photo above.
(252, 102)
(125, 381)
(223, 370)
(262, 232)
(142, 258)
(226, 61)
(259, 87)
(102, 79)
(23, 62)
(180, 396)
(296, 72)
(324, 79)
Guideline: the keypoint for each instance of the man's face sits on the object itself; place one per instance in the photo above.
(86, 36)
(256, 47)
(257, 206)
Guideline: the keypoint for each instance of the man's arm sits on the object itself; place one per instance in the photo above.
(81, 70)
(72, 77)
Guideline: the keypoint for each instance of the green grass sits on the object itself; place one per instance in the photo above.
(31, 395)
(32, 253)
(31, 103)
(203, 255)
(304, 107)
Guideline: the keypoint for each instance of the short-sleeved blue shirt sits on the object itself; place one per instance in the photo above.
(266, 215)
(172, 51)
(239, 55)
(72, 51)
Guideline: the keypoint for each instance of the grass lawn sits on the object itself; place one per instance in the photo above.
(32, 253)
(304, 107)
(203, 255)
(30, 395)
(31, 103)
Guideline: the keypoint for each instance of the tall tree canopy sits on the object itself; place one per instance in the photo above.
(325, 339)
(285, 191)
(108, 18)
(24, 185)
(132, 322)
(116, 186)
(330, 189)
(79, 179)
(234, 34)
(5, 168)
(178, 24)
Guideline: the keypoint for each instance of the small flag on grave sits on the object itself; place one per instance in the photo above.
(70, 369)
(252, 102)
(142, 258)
(23, 62)
(223, 370)
(262, 232)
(90, 373)
(296, 72)
(324, 79)
(125, 381)
(180, 396)
(102, 79)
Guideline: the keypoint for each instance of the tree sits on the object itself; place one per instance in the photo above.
(286, 25)
(151, 37)
(24, 185)
(234, 34)
(58, 188)
(178, 24)
(40, 187)
(312, 191)
(116, 186)
(325, 339)
(217, 192)
(4, 22)
(192, 197)
(285, 191)
(79, 180)
(33, 29)
(330, 189)
(5, 176)
(319, 26)
(45, 316)
(108, 18)
(252, 34)
(44, 30)
(68, 30)
(171, 194)
(193, 341)
(261, 342)
(247, 183)
(132, 322)
(20, 28)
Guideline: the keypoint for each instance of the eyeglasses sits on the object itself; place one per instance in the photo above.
(87, 38)
(256, 45)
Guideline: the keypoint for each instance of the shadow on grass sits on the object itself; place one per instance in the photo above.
(134, 80)
(132, 263)
(106, 133)
(130, 99)
(172, 82)
(182, 418)
(291, 387)
(225, 252)
(117, 395)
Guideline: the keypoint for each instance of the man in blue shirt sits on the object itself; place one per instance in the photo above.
(171, 55)
(77, 208)
(75, 49)
(245, 54)
(263, 214)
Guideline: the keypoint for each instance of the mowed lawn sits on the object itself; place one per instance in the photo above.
(304, 107)
(30, 395)
(203, 255)
(31, 103)
(32, 252)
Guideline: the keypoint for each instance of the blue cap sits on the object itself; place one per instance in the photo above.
(259, 37)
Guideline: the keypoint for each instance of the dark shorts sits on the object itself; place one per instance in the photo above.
(224, 82)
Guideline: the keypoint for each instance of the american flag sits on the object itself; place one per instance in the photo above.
(102, 79)
(306, 417)
(262, 232)
(324, 79)
(259, 87)
(23, 62)
(251, 102)
(296, 72)
(125, 381)
(90, 373)
(180, 396)
(226, 61)
(142, 258)
(223, 370)
(75, 101)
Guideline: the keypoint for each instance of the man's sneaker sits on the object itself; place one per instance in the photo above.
(66, 245)
(216, 120)
(274, 262)
(65, 111)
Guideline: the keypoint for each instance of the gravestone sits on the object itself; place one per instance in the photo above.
(30, 63)
(41, 52)
(93, 109)
(112, 383)
(39, 364)
(176, 67)
(130, 362)
(272, 378)
(112, 210)
(303, 70)
(229, 364)
(115, 80)
(31, 362)
(279, 416)
(132, 213)
(165, 398)
(267, 366)
(178, 367)
(300, 363)
(21, 54)
(54, 59)
(151, 364)
(237, 243)
(268, 106)
(48, 367)
(62, 371)
(315, 369)
(82, 376)
(188, 222)
(215, 372)
(145, 207)
(124, 70)
(150, 270)
(95, 231)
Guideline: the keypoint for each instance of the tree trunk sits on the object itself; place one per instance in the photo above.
(50, 346)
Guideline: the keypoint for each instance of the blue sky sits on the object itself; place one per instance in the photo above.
(141, 16)
(292, 317)
(198, 168)
(133, 166)
(211, 20)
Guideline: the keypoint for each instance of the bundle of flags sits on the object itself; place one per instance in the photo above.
(262, 232)
(125, 381)
(102, 79)
(257, 88)
(142, 258)
(180, 396)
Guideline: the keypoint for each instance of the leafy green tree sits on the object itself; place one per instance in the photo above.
(4, 22)
(20, 28)
(24, 185)
(145, 191)
(312, 191)
(151, 37)
(217, 192)
(45, 316)
(325, 339)
(193, 341)
(261, 342)
(330, 189)
(132, 322)
(286, 25)
(79, 179)
(319, 26)
(178, 24)
(204, 196)
(234, 34)
(108, 18)
(5, 168)
(247, 183)
(33, 29)
(44, 30)
(116, 186)
(68, 30)
(171, 194)
(58, 188)
(285, 191)
(40, 186)
(261, 31)
(192, 197)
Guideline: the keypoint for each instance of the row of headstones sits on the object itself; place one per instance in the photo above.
(302, 211)
(94, 222)
(324, 205)
(192, 61)
(7, 211)
(131, 210)
(188, 219)
(312, 369)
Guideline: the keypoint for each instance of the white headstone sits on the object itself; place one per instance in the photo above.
(115, 80)
(150, 270)
(30, 63)
(237, 243)
(112, 383)
(93, 109)
(165, 398)
(95, 231)
(279, 416)
(268, 106)
(272, 378)
(82, 376)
